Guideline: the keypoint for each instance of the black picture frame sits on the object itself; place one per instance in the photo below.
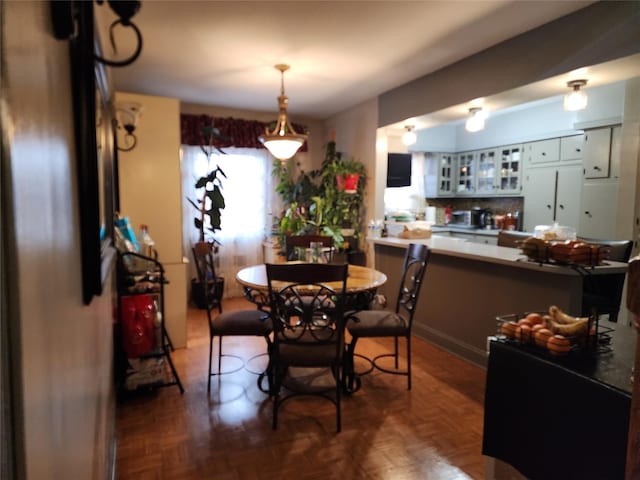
(95, 147)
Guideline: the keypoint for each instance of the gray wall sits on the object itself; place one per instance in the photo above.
(60, 350)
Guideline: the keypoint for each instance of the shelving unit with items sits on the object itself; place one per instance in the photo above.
(143, 347)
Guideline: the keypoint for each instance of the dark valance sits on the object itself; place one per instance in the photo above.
(239, 133)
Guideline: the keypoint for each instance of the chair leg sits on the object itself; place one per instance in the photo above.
(348, 369)
(277, 378)
(210, 355)
(395, 341)
(408, 362)
(219, 354)
(336, 374)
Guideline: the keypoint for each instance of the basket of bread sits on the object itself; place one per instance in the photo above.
(555, 332)
(563, 252)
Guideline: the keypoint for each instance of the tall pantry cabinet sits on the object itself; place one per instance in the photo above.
(552, 183)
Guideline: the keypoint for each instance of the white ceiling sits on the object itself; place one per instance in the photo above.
(341, 53)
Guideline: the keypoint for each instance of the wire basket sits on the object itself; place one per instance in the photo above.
(513, 328)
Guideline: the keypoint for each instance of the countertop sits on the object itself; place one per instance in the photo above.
(460, 247)
(489, 232)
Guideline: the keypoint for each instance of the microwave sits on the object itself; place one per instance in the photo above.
(461, 217)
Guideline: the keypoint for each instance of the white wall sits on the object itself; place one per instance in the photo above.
(62, 350)
(151, 194)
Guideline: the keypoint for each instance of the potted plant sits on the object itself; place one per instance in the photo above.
(211, 202)
(343, 191)
(208, 219)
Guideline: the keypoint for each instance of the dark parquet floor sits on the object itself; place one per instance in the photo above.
(433, 431)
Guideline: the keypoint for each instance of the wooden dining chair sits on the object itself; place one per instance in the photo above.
(307, 306)
(394, 323)
(249, 322)
(304, 241)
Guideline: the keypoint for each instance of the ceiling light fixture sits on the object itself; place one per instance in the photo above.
(409, 137)
(475, 121)
(127, 115)
(283, 142)
(576, 99)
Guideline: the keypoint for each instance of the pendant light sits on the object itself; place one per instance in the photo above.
(577, 99)
(475, 121)
(283, 141)
(409, 137)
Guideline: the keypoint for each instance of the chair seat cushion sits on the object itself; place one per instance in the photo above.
(242, 322)
(377, 323)
(308, 354)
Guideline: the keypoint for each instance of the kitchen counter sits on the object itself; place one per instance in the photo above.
(459, 247)
(489, 232)
(468, 284)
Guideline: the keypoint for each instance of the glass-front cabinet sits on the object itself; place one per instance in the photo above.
(446, 174)
(486, 172)
(465, 184)
(510, 171)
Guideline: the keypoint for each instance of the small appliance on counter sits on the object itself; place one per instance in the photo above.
(487, 219)
(461, 218)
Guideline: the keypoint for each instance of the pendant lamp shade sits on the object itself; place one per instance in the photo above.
(283, 141)
(577, 98)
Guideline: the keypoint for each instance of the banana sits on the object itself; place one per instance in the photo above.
(561, 317)
(579, 327)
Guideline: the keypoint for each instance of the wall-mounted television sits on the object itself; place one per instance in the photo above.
(398, 170)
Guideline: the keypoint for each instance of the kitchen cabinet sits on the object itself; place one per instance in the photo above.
(598, 212)
(571, 148)
(543, 151)
(466, 181)
(552, 194)
(509, 174)
(446, 174)
(439, 178)
(487, 168)
(597, 153)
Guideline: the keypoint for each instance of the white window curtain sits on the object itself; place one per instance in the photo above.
(246, 219)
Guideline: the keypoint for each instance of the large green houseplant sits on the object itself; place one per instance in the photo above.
(211, 201)
(343, 190)
(316, 202)
(208, 221)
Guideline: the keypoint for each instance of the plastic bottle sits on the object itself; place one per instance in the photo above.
(147, 245)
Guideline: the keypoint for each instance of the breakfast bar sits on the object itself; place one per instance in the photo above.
(468, 284)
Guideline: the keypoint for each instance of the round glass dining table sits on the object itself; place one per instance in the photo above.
(360, 279)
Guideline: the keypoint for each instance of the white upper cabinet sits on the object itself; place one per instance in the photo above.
(543, 151)
(439, 178)
(446, 174)
(486, 172)
(466, 180)
(571, 148)
(597, 153)
(509, 174)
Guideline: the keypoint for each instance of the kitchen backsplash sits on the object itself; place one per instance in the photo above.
(498, 205)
